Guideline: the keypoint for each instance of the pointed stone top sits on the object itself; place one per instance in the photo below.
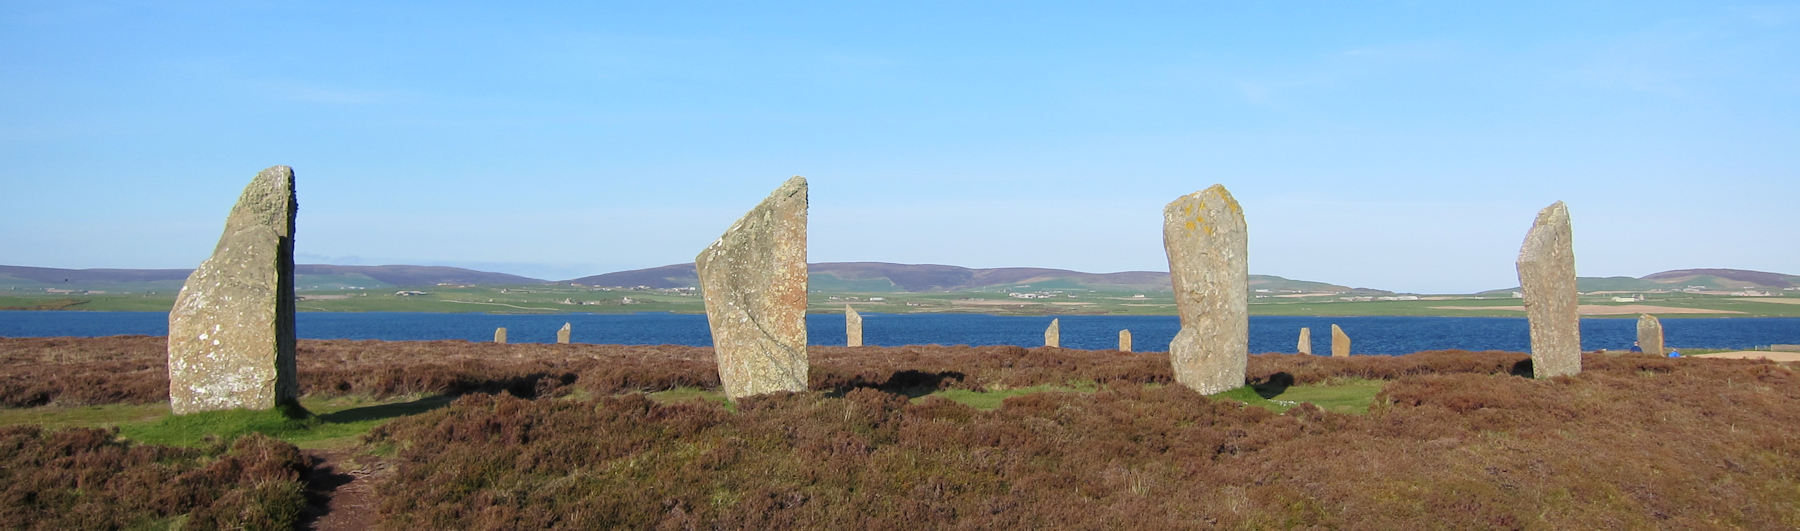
(850, 311)
(1549, 235)
(565, 326)
(267, 201)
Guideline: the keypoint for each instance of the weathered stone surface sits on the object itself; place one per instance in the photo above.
(500, 335)
(852, 327)
(1053, 334)
(231, 331)
(1547, 280)
(1124, 341)
(1207, 244)
(1305, 344)
(562, 334)
(754, 282)
(1650, 335)
(1340, 342)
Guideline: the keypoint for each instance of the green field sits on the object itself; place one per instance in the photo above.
(555, 298)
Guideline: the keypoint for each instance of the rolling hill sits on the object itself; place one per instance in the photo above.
(878, 277)
(309, 276)
(1703, 279)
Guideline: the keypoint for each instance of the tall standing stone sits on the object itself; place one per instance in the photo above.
(754, 282)
(1547, 280)
(562, 334)
(1305, 344)
(1053, 334)
(852, 327)
(500, 335)
(231, 331)
(1206, 240)
(1340, 342)
(1124, 341)
(1650, 335)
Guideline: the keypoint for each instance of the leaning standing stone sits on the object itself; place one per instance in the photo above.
(500, 335)
(231, 331)
(1547, 278)
(1650, 335)
(1205, 237)
(562, 334)
(1053, 334)
(1124, 341)
(852, 327)
(754, 282)
(1340, 342)
(1305, 346)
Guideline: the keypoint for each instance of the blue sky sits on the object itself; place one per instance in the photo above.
(1401, 145)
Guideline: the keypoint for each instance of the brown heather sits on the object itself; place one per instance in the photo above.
(83, 478)
(1455, 439)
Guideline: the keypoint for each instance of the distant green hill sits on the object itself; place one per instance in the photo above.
(314, 277)
(1704, 279)
(881, 277)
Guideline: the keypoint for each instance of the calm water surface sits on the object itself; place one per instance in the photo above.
(1369, 335)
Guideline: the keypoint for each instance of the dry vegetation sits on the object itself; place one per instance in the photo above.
(561, 436)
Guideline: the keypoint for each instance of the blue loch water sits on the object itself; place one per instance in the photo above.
(1369, 335)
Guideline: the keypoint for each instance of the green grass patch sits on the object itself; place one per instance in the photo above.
(991, 400)
(317, 423)
(1352, 395)
(687, 394)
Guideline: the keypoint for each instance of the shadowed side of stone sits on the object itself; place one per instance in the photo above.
(1340, 342)
(753, 279)
(1205, 237)
(231, 331)
(1053, 334)
(1650, 335)
(1547, 280)
(852, 327)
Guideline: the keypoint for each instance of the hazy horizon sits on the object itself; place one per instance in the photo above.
(1395, 146)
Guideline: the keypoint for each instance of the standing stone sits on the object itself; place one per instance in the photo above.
(1305, 346)
(1650, 335)
(1547, 279)
(1205, 237)
(754, 282)
(1124, 341)
(852, 327)
(562, 334)
(1053, 334)
(1340, 342)
(231, 331)
(500, 335)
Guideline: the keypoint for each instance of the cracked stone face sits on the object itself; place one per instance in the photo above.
(1204, 235)
(753, 280)
(1547, 280)
(231, 331)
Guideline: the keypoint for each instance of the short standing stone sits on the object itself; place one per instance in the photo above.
(1053, 334)
(500, 335)
(1124, 341)
(562, 334)
(1340, 342)
(852, 327)
(754, 282)
(1205, 237)
(231, 331)
(1305, 345)
(1547, 280)
(1650, 335)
